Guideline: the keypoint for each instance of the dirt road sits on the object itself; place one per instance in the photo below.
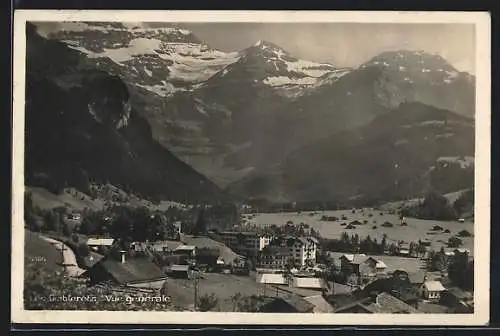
(69, 257)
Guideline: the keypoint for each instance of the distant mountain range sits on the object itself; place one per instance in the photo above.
(240, 116)
(407, 151)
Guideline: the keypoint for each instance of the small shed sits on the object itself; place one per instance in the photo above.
(178, 271)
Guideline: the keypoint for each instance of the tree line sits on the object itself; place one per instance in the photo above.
(437, 207)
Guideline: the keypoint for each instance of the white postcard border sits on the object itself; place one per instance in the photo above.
(481, 20)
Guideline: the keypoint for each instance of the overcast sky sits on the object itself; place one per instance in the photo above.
(345, 44)
(342, 44)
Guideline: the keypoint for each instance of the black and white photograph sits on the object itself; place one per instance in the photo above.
(240, 167)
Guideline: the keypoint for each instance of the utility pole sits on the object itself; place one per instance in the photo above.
(195, 291)
(62, 257)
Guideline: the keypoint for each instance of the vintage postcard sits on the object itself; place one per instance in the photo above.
(234, 167)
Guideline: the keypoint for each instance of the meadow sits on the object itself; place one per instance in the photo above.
(416, 228)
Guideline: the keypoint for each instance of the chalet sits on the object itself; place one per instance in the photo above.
(125, 272)
(349, 263)
(362, 265)
(372, 268)
(432, 290)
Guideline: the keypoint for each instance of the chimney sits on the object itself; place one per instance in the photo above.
(123, 256)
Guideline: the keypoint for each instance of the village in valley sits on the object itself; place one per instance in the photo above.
(290, 261)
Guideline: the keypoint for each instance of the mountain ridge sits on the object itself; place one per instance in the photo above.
(82, 129)
(230, 114)
(399, 154)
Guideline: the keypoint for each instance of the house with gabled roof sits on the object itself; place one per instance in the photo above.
(363, 266)
(432, 290)
(125, 272)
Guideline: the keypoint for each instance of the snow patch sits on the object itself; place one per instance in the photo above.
(163, 90)
(283, 80)
(309, 68)
(464, 162)
(426, 70)
(139, 46)
(445, 135)
(432, 123)
(401, 142)
(148, 72)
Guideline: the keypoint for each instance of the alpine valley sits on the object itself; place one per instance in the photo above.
(175, 117)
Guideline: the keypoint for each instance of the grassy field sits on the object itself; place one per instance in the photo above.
(416, 229)
(222, 285)
(79, 201)
(39, 251)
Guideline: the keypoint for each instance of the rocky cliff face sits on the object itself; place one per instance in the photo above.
(82, 128)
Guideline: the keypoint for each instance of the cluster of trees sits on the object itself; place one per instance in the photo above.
(215, 217)
(266, 206)
(240, 303)
(291, 229)
(353, 243)
(461, 271)
(460, 268)
(465, 203)
(436, 206)
(138, 224)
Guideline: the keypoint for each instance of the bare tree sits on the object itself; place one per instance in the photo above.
(235, 298)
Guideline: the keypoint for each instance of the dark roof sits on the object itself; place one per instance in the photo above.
(275, 250)
(360, 303)
(299, 304)
(388, 304)
(417, 277)
(132, 270)
(460, 294)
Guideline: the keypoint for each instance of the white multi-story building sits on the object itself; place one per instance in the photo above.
(302, 250)
(247, 243)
